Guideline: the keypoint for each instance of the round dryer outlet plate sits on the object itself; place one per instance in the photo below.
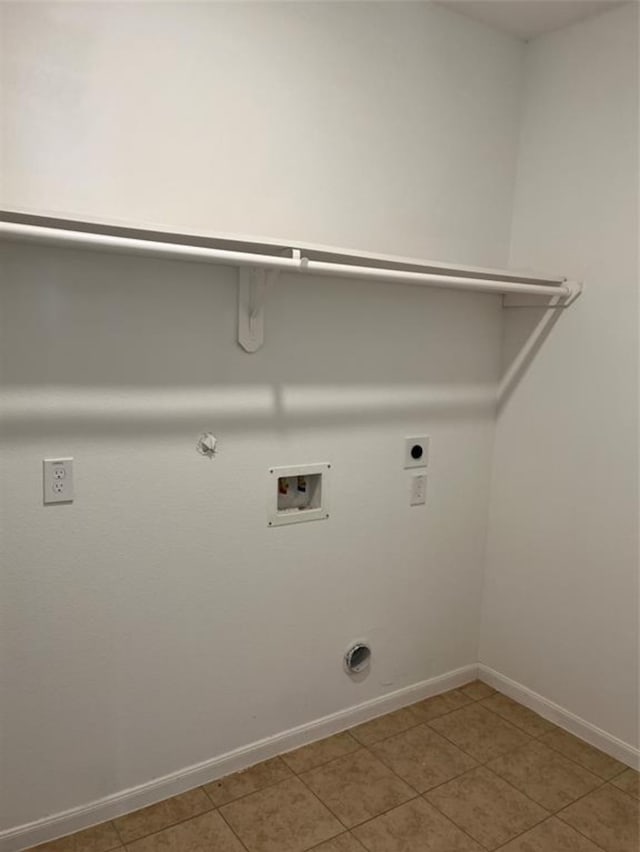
(416, 451)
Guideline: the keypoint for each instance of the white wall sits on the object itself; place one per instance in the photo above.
(385, 126)
(157, 622)
(561, 597)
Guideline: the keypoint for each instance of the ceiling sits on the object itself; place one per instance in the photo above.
(529, 18)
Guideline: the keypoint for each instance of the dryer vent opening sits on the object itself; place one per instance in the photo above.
(357, 658)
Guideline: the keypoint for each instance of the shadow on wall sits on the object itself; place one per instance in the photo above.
(120, 345)
(58, 411)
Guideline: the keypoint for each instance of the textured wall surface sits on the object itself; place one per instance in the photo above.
(561, 598)
(157, 622)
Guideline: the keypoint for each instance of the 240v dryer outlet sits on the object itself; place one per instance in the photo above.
(416, 451)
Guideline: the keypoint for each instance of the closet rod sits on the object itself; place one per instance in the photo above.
(297, 263)
(154, 248)
(432, 279)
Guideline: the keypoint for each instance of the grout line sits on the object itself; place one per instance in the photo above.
(558, 727)
(422, 797)
(383, 739)
(518, 748)
(506, 721)
(233, 831)
(213, 804)
(635, 798)
(324, 762)
(445, 737)
(435, 786)
(56, 840)
(618, 774)
(453, 822)
(346, 833)
(291, 775)
(329, 808)
(575, 763)
(130, 843)
(417, 725)
(537, 825)
(470, 702)
(515, 724)
(548, 814)
(118, 835)
(480, 762)
(556, 813)
(532, 738)
(522, 793)
(626, 769)
(584, 796)
(581, 833)
(115, 848)
(555, 728)
(581, 765)
(357, 825)
(212, 809)
(324, 804)
(395, 774)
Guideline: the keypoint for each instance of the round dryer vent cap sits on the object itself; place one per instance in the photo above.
(357, 658)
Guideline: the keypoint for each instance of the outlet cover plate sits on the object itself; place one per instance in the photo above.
(416, 451)
(57, 480)
(418, 490)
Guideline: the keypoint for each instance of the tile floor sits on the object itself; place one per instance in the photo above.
(466, 771)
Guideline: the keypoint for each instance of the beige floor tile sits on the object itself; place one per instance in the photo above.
(343, 843)
(591, 758)
(551, 836)
(162, 815)
(423, 758)
(203, 833)
(357, 787)
(486, 807)
(431, 708)
(629, 781)
(518, 715)
(414, 827)
(607, 816)
(479, 732)
(545, 775)
(248, 781)
(284, 818)
(100, 838)
(477, 690)
(386, 726)
(315, 754)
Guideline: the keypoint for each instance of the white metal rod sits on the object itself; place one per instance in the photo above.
(129, 245)
(90, 240)
(430, 279)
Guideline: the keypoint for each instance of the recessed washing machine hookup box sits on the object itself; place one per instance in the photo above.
(298, 494)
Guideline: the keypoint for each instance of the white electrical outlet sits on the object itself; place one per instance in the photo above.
(418, 490)
(57, 480)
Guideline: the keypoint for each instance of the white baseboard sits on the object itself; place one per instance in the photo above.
(595, 736)
(58, 825)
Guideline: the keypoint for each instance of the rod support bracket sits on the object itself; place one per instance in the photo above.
(253, 285)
